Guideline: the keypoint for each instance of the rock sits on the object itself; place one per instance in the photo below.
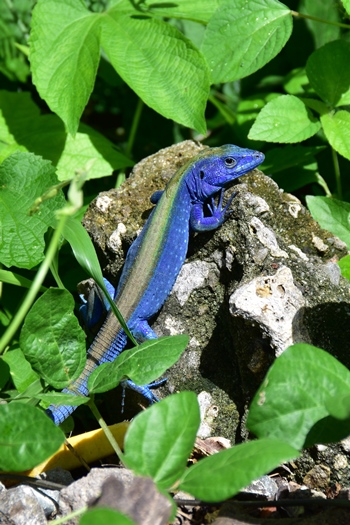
(318, 477)
(266, 279)
(264, 488)
(121, 490)
(19, 506)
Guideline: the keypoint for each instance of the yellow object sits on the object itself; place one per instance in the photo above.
(91, 446)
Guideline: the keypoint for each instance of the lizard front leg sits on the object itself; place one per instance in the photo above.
(219, 214)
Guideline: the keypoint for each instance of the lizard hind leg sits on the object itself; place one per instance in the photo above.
(142, 332)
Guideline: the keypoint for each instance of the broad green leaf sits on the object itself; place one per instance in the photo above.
(346, 4)
(247, 111)
(163, 67)
(333, 215)
(249, 107)
(65, 50)
(198, 10)
(280, 159)
(52, 339)
(344, 265)
(315, 104)
(296, 82)
(221, 476)
(21, 372)
(7, 140)
(142, 364)
(64, 56)
(57, 398)
(329, 11)
(45, 136)
(339, 407)
(27, 437)
(30, 392)
(328, 72)
(291, 404)
(284, 119)
(242, 36)
(89, 146)
(336, 126)
(160, 439)
(101, 516)
(23, 178)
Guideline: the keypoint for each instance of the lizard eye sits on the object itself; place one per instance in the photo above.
(230, 162)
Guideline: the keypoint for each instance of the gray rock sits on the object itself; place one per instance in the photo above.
(264, 487)
(88, 488)
(20, 507)
(121, 490)
(264, 280)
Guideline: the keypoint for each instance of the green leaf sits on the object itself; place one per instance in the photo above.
(336, 126)
(85, 254)
(339, 408)
(333, 215)
(84, 251)
(346, 4)
(65, 49)
(284, 119)
(52, 339)
(328, 72)
(89, 146)
(160, 439)
(296, 82)
(57, 398)
(163, 67)
(280, 159)
(344, 265)
(316, 105)
(247, 111)
(23, 178)
(21, 372)
(329, 11)
(249, 107)
(198, 10)
(64, 56)
(241, 37)
(27, 437)
(102, 516)
(30, 392)
(45, 136)
(142, 364)
(16, 279)
(291, 404)
(221, 476)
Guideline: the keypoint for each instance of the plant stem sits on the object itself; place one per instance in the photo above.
(35, 287)
(323, 184)
(316, 19)
(339, 190)
(134, 126)
(68, 517)
(104, 426)
(131, 140)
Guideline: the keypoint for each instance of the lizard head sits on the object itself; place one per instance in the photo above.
(215, 168)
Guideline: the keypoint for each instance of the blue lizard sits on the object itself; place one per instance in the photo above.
(155, 258)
